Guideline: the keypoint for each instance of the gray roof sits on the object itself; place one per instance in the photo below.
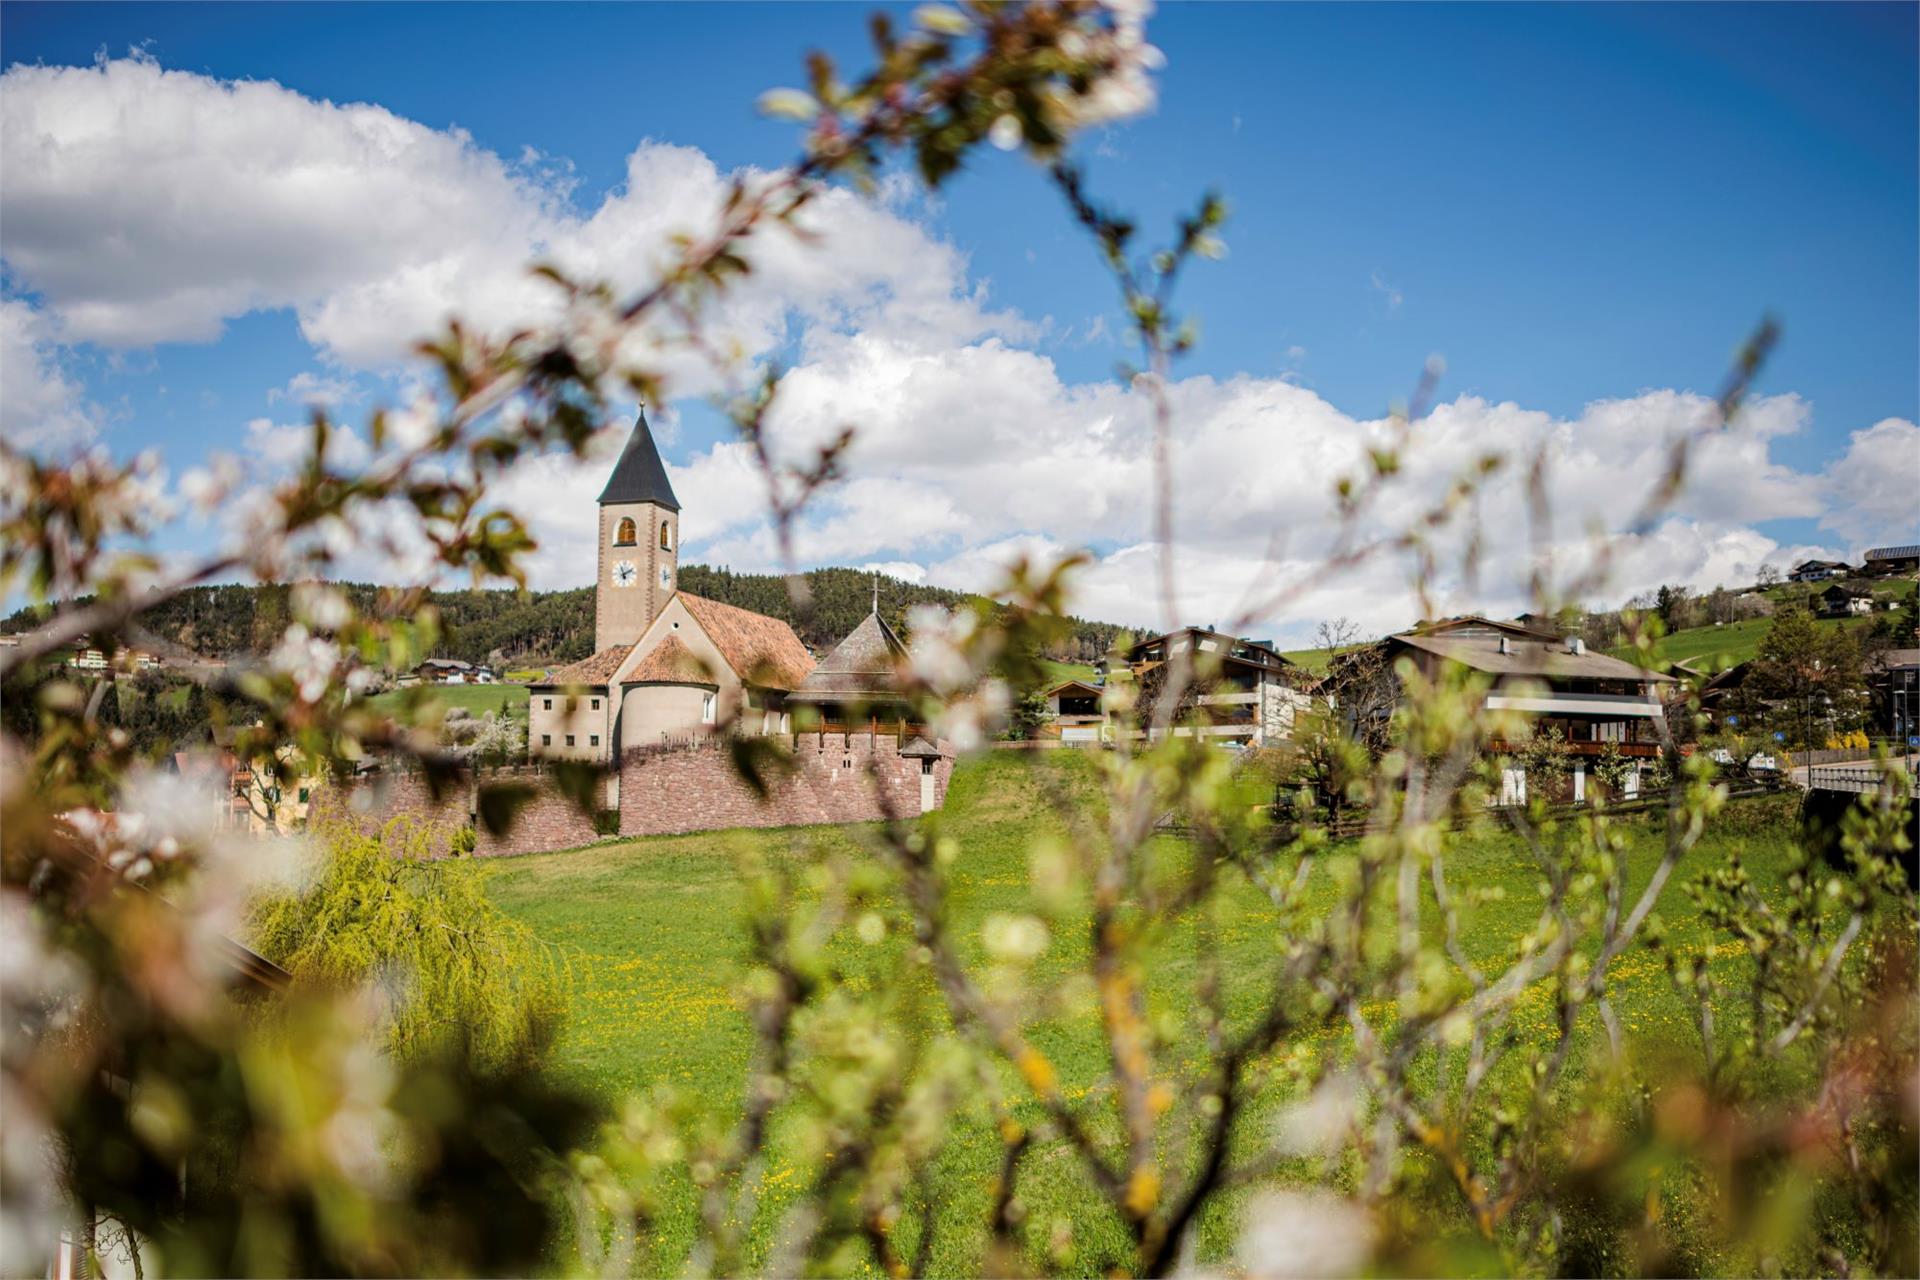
(1546, 659)
(640, 476)
(860, 668)
(1908, 552)
(920, 749)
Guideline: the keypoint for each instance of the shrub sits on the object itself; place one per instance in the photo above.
(422, 933)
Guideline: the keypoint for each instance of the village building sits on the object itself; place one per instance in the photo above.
(1882, 561)
(700, 664)
(1839, 601)
(1074, 715)
(448, 671)
(1594, 704)
(1893, 695)
(669, 663)
(851, 689)
(675, 674)
(1248, 693)
(1818, 570)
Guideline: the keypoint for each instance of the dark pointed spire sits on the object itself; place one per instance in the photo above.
(640, 476)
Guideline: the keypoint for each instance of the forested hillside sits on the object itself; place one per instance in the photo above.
(841, 597)
(537, 628)
(479, 626)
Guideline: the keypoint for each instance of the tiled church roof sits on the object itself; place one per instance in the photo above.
(671, 663)
(859, 669)
(593, 671)
(761, 650)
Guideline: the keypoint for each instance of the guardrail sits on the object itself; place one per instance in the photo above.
(1860, 780)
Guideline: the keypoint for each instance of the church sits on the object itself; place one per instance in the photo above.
(671, 669)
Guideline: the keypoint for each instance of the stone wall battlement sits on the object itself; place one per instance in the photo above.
(661, 789)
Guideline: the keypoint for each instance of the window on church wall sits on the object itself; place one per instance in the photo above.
(666, 536)
(626, 533)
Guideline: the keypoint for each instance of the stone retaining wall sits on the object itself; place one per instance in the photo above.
(836, 777)
(549, 820)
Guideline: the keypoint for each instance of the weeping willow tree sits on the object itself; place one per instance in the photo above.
(421, 934)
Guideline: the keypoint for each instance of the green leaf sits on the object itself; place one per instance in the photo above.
(499, 803)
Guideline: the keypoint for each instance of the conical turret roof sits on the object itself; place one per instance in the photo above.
(860, 668)
(640, 476)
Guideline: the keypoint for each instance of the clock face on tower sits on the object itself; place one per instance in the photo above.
(666, 577)
(623, 573)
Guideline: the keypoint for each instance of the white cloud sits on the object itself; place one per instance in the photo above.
(40, 405)
(278, 446)
(970, 455)
(312, 388)
(1872, 485)
(905, 570)
(150, 205)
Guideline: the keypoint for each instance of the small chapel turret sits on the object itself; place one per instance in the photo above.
(639, 543)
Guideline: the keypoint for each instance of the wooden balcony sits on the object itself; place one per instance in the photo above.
(1630, 750)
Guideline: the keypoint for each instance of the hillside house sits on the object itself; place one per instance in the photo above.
(1882, 561)
(1720, 693)
(1073, 713)
(450, 671)
(1592, 702)
(1839, 601)
(1818, 571)
(1249, 694)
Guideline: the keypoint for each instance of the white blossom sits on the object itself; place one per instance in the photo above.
(307, 659)
(1319, 1124)
(1309, 1234)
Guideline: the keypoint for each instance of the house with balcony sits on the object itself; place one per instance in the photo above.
(1074, 715)
(450, 671)
(1593, 703)
(1818, 571)
(1893, 695)
(1248, 694)
(1839, 601)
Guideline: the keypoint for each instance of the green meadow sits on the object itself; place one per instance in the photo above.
(477, 698)
(651, 931)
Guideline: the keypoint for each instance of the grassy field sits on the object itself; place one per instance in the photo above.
(1714, 648)
(477, 698)
(652, 928)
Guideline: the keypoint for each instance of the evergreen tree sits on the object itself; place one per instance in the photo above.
(1806, 680)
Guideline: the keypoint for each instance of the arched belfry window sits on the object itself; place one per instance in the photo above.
(625, 534)
(666, 536)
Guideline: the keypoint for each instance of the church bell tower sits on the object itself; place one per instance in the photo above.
(639, 543)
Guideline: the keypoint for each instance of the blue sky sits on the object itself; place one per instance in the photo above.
(1572, 204)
